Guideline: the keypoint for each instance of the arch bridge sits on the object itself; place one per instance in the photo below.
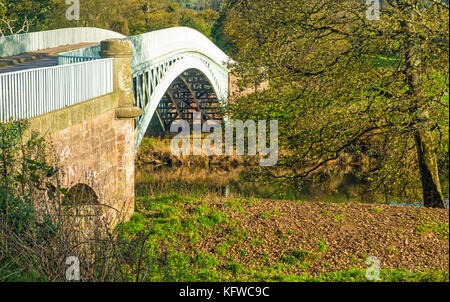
(97, 104)
(175, 72)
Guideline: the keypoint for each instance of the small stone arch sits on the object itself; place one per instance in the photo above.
(82, 194)
(82, 211)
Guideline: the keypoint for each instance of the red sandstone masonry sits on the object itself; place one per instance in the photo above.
(93, 142)
(99, 153)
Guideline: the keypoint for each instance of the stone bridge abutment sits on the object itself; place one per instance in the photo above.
(95, 107)
(93, 141)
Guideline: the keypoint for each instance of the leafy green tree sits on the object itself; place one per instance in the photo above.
(223, 26)
(19, 16)
(156, 15)
(129, 17)
(201, 4)
(342, 84)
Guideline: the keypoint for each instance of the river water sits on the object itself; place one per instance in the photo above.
(204, 181)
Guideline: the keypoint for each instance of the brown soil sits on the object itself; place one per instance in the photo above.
(401, 237)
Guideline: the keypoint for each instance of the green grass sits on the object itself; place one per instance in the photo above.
(166, 229)
(270, 214)
(358, 275)
(321, 246)
(442, 229)
(340, 217)
(172, 225)
(296, 256)
(377, 210)
(10, 273)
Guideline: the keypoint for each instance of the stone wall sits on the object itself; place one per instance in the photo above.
(91, 146)
(93, 142)
(235, 92)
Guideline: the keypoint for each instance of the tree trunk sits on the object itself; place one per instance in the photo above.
(428, 168)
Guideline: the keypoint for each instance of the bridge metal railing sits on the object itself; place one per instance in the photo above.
(154, 45)
(64, 60)
(79, 55)
(29, 93)
(28, 42)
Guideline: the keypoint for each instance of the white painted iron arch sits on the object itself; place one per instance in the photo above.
(159, 57)
(170, 41)
(148, 98)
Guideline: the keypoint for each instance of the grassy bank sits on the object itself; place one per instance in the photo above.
(202, 233)
(192, 239)
(198, 219)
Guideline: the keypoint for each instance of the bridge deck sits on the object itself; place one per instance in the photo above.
(38, 59)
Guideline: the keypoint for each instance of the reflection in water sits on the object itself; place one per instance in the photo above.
(218, 182)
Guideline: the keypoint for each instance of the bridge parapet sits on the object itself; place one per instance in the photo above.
(93, 148)
(156, 45)
(29, 93)
(28, 42)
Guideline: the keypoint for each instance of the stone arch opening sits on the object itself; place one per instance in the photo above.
(82, 212)
(81, 194)
(190, 92)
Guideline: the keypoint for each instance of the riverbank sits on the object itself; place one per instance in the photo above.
(203, 221)
(226, 239)
(158, 172)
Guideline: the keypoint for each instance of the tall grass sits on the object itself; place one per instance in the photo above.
(41, 224)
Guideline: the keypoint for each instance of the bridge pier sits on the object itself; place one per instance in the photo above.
(121, 51)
